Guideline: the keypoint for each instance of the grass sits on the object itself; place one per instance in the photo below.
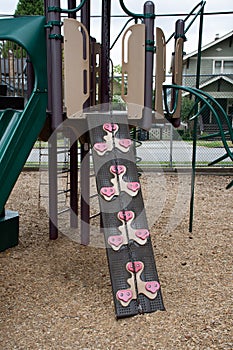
(211, 144)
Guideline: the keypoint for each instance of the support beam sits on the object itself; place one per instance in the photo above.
(105, 57)
(85, 148)
(149, 9)
(85, 193)
(73, 159)
(55, 99)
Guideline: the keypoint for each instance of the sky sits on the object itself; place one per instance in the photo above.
(213, 24)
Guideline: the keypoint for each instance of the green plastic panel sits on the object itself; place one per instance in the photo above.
(29, 32)
(20, 129)
(9, 230)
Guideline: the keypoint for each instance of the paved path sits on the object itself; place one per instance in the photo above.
(158, 151)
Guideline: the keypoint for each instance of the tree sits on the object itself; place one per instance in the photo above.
(30, 7)
(186, 106)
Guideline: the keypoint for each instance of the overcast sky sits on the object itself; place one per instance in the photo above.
(215, 24)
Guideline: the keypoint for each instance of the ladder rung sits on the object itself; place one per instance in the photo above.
(94, 195)
(94, 216)
(63, 211)
(62, 192)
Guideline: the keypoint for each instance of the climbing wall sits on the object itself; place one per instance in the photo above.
(134, 278)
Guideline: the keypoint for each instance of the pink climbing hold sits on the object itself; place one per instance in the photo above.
(110, 127)
(115, 240)
(126, 215)
(124, 295)
(100, 147)
(118, 169)
(152, 286)
(126, 143)
(143, 234)
(137, 266)
(133, 186)
(107, 191)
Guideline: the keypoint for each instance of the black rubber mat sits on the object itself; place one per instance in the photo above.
(123, 202)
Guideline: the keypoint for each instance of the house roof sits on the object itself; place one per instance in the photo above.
(212, 43)
(228, 79)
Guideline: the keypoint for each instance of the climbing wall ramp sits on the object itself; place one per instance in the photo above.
(134, 277)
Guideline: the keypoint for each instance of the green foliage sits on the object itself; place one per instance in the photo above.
(30, 7)
(118, 104)
(186, 107)
(8, 47)
(117, 69)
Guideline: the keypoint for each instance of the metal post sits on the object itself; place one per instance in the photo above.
(56, 62)
(171, 147)
(73, 158)
(85, 148)
(85, 193)
(149, 9)
(55, 94)
(52, 158)
(49, 64)
(105, 56)
(179, 32)
(195, 125)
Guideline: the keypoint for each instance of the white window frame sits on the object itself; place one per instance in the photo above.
(222, 65)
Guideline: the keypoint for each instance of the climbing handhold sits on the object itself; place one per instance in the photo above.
(107, 192)
(143, 234)
(134, 268)
(133, 186)
(100, 147)
(126, 215)
(124, 295)
(118, 169)
(110, 127)
(116, 240)
(126, 143)
(152, 286)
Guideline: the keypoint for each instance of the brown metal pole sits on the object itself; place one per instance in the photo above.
(149, 9)
(105, 56)
(55, 93)
(73, 159)
(85, 155)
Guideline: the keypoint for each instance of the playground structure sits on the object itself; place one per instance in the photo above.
(134, 277)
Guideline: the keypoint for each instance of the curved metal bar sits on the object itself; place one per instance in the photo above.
(200, 95)
(135, 15)
(195, 108)
(172, 111)
(76, 9)
(118, 36)
(201, 5)
(229, 185)
(220, 108)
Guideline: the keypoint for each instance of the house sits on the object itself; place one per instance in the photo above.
(216, 76)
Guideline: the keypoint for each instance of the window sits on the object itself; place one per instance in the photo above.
(228, 67)
(217, 67)
(223, 67)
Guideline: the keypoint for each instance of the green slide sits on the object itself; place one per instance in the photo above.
(20, 129)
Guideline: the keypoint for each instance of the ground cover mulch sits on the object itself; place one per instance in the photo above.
(57, 294)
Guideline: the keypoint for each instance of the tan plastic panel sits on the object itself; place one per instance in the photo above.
(75, 67)
(96, 72)
(177, 74)
(160, 72)
(133, 69)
